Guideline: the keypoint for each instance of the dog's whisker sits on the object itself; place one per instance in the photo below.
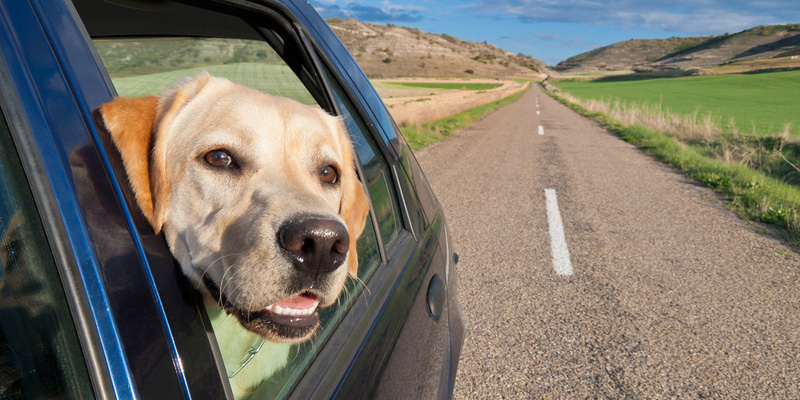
(220, 258)
(222, 280)
(361, 282)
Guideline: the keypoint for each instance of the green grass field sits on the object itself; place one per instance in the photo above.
(439, 85)
(271, 78)
(760, 194)
(763, 103)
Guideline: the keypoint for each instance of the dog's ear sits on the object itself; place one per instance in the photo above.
(354, 205)
(354, 210)
(130, 122)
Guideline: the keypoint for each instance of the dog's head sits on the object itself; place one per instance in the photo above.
(256, 194)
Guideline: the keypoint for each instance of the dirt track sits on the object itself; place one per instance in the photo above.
(672, 296)
(410, 106)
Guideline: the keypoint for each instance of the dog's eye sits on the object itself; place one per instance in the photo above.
(219, 159)
(329, 174)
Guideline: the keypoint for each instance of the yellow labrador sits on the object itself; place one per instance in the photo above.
(256, 194)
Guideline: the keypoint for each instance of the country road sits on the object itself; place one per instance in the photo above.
(670, 295)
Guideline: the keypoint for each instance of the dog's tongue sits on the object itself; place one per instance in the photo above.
(303, 301)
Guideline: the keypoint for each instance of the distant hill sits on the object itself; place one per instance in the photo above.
(690, 53)
(630, 54)
(390, 51)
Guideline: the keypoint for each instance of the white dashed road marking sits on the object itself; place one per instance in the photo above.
(541, 130)
(558, 240)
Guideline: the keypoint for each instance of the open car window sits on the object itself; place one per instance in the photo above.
(149, 66)
(264, 53)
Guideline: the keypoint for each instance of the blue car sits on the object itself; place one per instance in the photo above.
(93, 305)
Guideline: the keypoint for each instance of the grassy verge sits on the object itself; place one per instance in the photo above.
(421, 135)
(442, 85)
(752, 193)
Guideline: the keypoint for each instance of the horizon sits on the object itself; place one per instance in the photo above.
(553, 32)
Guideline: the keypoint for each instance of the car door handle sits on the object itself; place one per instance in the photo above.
(437, 294)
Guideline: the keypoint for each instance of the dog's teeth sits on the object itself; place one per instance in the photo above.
(292, 312)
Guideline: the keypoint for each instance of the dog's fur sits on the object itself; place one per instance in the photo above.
(221, 224)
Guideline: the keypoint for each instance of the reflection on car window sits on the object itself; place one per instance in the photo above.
(40, 356)
(255, 368)
(375, 167)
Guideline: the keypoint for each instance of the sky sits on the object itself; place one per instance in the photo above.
(554, 30)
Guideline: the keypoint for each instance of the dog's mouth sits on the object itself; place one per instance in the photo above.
(291, 320)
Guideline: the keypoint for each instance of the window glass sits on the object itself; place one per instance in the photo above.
(256, 368)
(40, 356)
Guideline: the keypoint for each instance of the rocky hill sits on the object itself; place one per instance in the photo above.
(691, 53)
(390, 51)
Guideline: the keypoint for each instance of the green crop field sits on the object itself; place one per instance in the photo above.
(440, 85)
(759, 103)
(271, 78)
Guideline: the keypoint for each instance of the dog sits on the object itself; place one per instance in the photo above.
(257, 197)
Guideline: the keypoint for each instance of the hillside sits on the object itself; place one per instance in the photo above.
(390, 51)
(630, 54)
(691, 53)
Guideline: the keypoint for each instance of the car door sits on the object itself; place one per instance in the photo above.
(384, 338)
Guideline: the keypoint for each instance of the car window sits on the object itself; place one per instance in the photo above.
(40, 356)
(143, 66)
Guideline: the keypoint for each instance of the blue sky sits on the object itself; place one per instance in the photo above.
(553, 30)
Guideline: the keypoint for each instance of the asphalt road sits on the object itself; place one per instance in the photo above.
(671, 295)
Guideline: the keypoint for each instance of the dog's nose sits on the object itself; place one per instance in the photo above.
(315, 245)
